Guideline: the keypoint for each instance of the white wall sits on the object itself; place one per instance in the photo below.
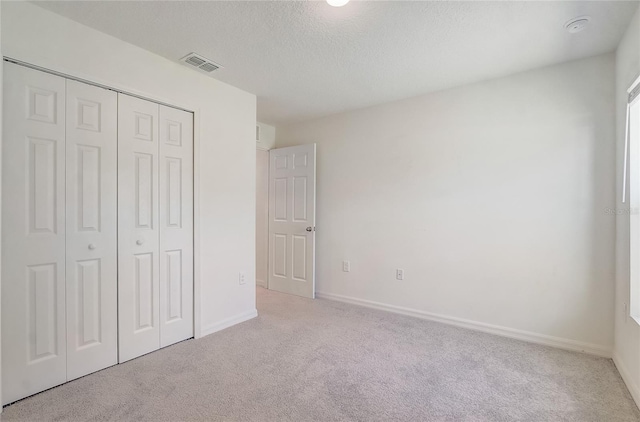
(490, 196)
(627, 331)
(225, 143)
(262, 216)
(267, 136)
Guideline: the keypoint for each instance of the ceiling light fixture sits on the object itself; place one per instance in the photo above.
(577, 24)
(337, 3)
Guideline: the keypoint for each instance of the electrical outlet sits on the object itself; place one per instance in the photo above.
(242, 278)
(399, 274)
(346, 266)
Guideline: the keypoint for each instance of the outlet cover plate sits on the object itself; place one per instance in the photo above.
(346, 266)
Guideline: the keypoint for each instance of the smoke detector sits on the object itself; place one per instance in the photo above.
(577, 24)
(200, 63)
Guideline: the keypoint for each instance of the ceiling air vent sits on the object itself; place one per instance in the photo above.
(198, 62)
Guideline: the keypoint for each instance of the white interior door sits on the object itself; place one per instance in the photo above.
(138, 234)
(176, 225)
(292, 219)
(33, 233)
(91, 227)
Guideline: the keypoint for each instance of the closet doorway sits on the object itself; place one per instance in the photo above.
(97, 218)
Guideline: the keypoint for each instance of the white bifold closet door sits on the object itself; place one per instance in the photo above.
(138, 233)
(58, 250)
(91, 228)
(176, 225)
(155, 211)
(33, 233)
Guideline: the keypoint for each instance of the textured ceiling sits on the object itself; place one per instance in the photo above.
(308, 59)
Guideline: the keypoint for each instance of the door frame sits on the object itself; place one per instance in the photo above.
(196, 112)
(265, 282)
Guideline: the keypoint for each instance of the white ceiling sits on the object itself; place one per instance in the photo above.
(308, 59)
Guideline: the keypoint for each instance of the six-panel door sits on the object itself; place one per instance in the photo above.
(91, 227)
(33, 233)
(292, 216)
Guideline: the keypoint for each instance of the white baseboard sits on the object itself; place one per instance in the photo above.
(558, 342)
(626, 377)
(226, 323)
(261, 283)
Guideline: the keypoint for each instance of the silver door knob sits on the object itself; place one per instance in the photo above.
(309, 229)
(92, 246)
(139, 242)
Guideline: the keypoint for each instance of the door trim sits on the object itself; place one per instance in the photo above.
(265, 283)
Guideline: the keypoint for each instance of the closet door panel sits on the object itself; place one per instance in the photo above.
(138, 228)
(92, 277)
(33, 237)
(176, 225)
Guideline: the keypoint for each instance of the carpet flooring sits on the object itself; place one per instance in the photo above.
(304, 360)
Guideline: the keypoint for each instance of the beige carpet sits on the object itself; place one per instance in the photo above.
(304, 360)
